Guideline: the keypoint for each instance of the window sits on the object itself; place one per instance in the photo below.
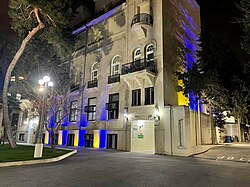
(136, 97)
(73, 111)
(149, 96)
(181, 133)
(149, 52)
(21, 137)
(94, 71)
(137, 54)
(115, 65)
(91, 109)
(113, 106)
(59, 115)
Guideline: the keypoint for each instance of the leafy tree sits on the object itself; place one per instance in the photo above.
(218, 78)
(245, 8)
(49, 20)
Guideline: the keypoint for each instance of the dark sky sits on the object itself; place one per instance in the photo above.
(218, 16)
(4, 18)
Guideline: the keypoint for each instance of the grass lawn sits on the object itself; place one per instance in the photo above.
(22, 152)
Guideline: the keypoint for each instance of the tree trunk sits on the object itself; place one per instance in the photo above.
(7, 123)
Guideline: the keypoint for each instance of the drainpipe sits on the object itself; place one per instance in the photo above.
(83, 73)
(171, 130)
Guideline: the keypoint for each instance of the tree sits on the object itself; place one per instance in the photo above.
(218, 78)
(28, 19)
(245, 23)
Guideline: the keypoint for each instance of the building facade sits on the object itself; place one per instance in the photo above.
(125, 94)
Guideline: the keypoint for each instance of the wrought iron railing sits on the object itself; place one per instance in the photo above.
(92, 84)
(112, 106)
(113, 78)
(74, 87)
(138, 65)
(90, 108)
(142, 18)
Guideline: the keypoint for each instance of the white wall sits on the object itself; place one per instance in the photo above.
(142, 136)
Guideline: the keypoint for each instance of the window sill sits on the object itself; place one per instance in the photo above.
(152, 105)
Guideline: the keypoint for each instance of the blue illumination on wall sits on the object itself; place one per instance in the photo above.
(64, 137)
(81, 142)
(84, 122)
(102, 138)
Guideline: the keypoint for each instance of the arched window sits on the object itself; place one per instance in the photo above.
(149, 51)
(137, 54)
(94, 71)
(115, 65)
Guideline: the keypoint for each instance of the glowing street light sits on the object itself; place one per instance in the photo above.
(44, 84)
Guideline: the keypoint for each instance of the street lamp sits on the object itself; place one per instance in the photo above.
(44, 84)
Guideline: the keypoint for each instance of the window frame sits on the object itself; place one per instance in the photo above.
(93, 70)
(138, 98)
(60, 112)
(114, 64)
(92, 113)
(137, 57)
(151, 92)
(113, 114)
(147, 53)
(73, 111)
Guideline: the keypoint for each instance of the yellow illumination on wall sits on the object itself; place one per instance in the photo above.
(76, 138)
(182, 100)
(60, 137)
(96, 138)
(46, 141)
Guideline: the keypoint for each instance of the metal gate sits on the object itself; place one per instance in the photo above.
(111, 141)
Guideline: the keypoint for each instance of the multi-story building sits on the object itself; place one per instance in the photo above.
(124, 73)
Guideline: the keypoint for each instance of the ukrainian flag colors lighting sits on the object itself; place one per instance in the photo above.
(76, 139)
(96, 139)
(60, 137)
(100, 138)
(46, 141)
(182, 100)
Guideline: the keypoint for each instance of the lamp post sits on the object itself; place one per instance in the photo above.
(44, 84)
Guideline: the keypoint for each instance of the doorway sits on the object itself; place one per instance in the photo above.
(70, 140)
(111, 141)
(88, 139)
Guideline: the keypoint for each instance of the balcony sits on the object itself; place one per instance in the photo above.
(113, 78)
(92, 84)
(142, 18)
(140, 73)
(74, 87)
(112, 106)
(142, 25)
(143, 64)
(90, 108)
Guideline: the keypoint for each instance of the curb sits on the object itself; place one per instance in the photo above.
(41, 161)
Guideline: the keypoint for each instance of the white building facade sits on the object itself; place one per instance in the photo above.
(125, 84)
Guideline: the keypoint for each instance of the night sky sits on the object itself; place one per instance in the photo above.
(218, 16)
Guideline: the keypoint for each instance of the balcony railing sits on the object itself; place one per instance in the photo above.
(143, 18)
(92, 84)
(112, 106)
(90, 108)
(113, 78)
(74, 87)
(138, 65)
